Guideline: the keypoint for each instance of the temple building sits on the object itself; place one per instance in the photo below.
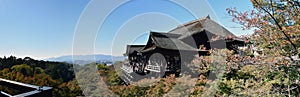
(167, 52)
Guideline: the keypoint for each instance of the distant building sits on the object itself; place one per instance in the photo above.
(168, 52)
(16, 89)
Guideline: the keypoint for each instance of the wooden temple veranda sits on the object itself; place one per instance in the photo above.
(167, 52)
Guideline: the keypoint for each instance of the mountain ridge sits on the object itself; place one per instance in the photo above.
(86, 59)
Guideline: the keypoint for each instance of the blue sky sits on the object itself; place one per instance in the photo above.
(45, 28)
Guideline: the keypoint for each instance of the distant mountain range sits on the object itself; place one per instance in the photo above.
(86, 59)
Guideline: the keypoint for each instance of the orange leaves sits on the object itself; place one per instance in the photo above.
(202, 80)
(202, 47)
(162, 87)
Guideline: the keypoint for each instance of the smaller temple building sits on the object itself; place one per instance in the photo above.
(17, 89)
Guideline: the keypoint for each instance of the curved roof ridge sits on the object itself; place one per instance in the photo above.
(191, 22)
(165, 34)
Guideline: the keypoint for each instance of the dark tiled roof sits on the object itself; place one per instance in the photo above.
(190, 33)
(169, 41)
(132, 48)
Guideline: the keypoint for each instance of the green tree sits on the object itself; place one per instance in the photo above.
(24, 69)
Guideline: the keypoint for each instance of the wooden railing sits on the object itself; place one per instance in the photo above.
(153, 68)
(127, 68)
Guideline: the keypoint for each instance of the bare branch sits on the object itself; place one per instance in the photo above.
(280, 28)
